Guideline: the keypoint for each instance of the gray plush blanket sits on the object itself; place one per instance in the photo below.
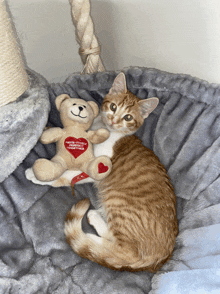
(184, 132)
(20, 126)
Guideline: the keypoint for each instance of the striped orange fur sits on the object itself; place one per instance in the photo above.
(136, 220)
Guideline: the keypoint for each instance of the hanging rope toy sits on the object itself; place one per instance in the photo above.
(84, 30)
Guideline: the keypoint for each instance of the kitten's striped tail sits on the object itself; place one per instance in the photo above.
(98, 249)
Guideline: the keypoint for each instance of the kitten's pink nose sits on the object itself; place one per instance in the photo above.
(115, 120)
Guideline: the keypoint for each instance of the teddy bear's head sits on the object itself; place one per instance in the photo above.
(75, 110)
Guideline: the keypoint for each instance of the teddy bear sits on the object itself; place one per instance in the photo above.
(74, 149)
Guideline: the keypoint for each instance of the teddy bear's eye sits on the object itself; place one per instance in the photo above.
(74, 104)
(84, 106)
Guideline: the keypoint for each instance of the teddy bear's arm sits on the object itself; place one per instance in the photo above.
(98, 136)
(51, 135)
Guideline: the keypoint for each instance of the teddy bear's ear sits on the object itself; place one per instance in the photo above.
(59, 100)
(94, 107)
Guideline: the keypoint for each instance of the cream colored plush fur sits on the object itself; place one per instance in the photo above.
(76, 116)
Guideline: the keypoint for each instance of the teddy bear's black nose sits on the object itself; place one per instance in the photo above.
(80, 108)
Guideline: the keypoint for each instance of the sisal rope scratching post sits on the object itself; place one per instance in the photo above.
(13, 77)
(89, 47)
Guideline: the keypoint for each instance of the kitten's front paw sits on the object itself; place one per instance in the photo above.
(92, 217)
(31, 177)
(95, 220)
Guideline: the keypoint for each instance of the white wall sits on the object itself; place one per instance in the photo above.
(171, 35)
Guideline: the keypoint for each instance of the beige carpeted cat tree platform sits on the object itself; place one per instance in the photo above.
(184, 132)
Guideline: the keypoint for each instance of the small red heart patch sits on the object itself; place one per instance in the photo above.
(102, 168)
(75, 146)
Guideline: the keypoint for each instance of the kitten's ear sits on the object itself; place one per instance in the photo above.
(147, 106)
(119, 85)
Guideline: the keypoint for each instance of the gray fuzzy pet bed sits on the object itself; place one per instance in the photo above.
(183, 131)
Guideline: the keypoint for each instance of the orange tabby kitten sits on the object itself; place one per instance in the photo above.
(136, 222)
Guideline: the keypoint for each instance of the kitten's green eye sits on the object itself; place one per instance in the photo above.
(128, 117)
(113, 107)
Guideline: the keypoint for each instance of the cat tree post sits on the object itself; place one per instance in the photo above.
(13, 77)
(89, 47)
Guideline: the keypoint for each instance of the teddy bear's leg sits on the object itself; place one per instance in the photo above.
(99, 168)
(49, 170)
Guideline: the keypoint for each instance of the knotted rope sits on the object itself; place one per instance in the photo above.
(13, 77)
(89, 47)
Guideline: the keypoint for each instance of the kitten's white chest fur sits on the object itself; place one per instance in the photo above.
(105, 148)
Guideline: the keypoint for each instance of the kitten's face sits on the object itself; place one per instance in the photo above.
(124, 112)
(121, 113)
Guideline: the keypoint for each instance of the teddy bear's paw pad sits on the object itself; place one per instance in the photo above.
(104, 165)
(31, 177)
(100, 168)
